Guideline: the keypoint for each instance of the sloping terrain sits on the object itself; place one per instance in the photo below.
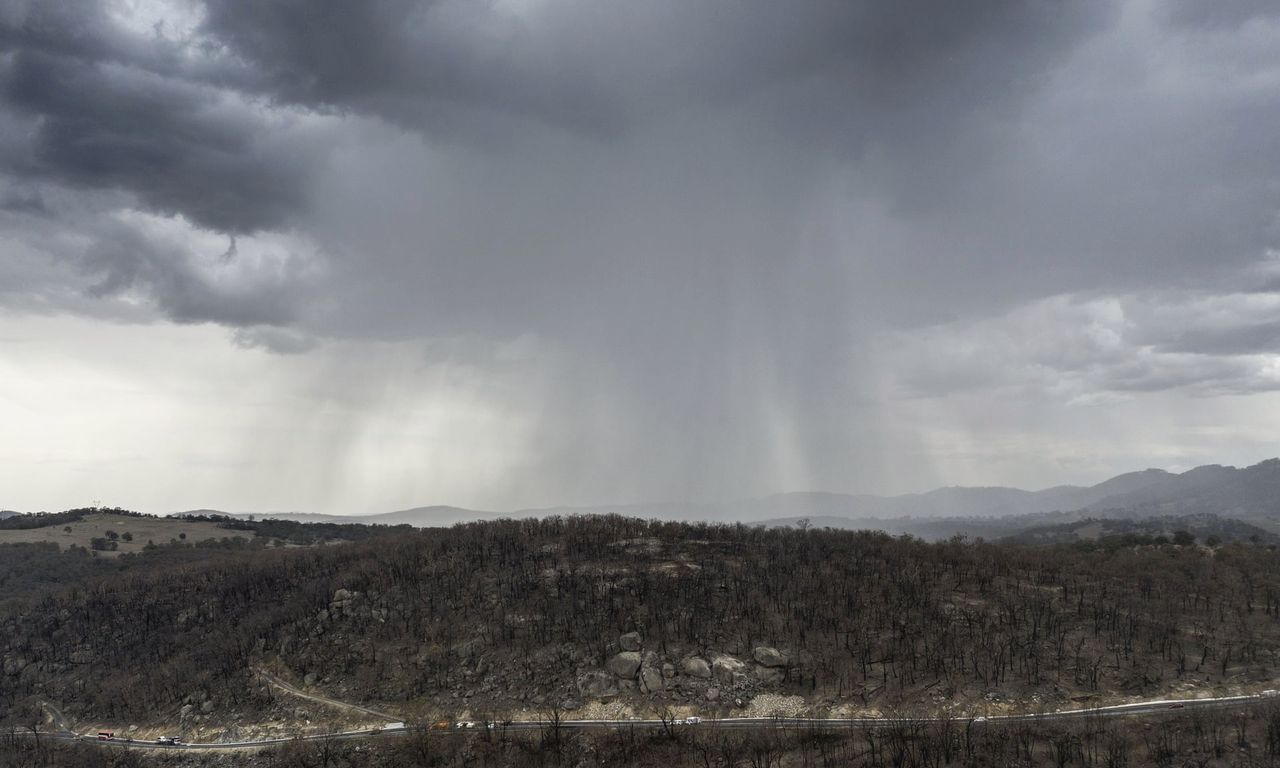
(620, 615)
(114, 534)
(1202, 528)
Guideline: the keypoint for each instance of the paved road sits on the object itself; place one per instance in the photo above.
(1162, 706)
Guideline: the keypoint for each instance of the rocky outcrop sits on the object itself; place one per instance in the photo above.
(727, 669)
(625, 665)
(597, 684)
(770, 675)
(651, 680)
(769, 657)
(651, 674)
(695, 666)
(629, 641)
(14, 664)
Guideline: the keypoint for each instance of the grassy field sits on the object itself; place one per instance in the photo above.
(160, 530)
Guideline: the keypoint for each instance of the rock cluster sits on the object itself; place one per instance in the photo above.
(633, 668)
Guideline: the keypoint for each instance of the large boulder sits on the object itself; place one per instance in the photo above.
(597, 684)
(697, 667)
(625, 665)
(769, 657)
(727, 669)
(651, 677)
(14, 664)
(629, 641)
(770, 675)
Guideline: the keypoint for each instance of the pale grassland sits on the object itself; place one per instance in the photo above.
(161, 530)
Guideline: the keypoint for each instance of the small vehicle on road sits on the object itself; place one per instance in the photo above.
(1176, 705)
(167, 740)
(692, 720)
(106, 735)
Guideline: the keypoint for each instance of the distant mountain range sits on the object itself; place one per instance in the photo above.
(1250, 494)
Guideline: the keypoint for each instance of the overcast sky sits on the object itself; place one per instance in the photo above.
(350, 257)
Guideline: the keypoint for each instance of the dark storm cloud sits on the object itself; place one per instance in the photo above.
(19, 202)
(831, 69)
(175, 146)
(123, 260)
(1219, 13)
(701, 213)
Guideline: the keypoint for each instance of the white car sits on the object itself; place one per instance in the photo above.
(692, 720)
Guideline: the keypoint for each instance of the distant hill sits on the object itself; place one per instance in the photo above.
(952, 502)
(1252, 494)
(1204, 527)
(420, 517)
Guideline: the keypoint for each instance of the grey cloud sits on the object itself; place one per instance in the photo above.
(19, 202)
(830, 71)
(1262, 338)
(1073, 348)
(124, 260)
(173, 145)
(706, 213)
(1219, 13)
(282, 341)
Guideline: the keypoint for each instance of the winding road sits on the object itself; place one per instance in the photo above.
(1161, 706)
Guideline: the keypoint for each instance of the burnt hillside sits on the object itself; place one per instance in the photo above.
(501, 614)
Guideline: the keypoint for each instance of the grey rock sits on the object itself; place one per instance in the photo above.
(697, 667)
(668, 670)
(712, 694)
(14, 664)
(726, 669)
(651, 679)
(597, 685)
(186, 710)
(769, 657)
(310, 679)
(629, 641)
(769, 675)
(207, 706)
(342, 595)
(624, 665)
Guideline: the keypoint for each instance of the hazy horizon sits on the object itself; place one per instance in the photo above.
(720, 504)
(528, 254)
